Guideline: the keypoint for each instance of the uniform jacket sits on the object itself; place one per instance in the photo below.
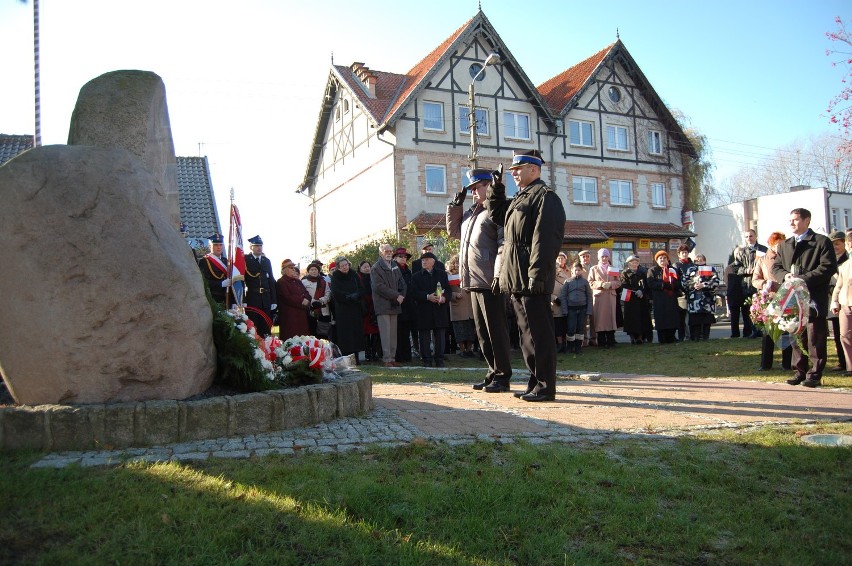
(388, 284)
(214, 274)
(431, 315)
(533, 230)
(260, 283)
(815, 262)
(481, 239)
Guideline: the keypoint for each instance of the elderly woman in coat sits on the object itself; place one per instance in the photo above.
(293, 303)
(605, 281)
(637, 311)
(346, 294)
(665, 288)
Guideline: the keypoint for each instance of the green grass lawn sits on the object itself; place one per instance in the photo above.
(759, 496)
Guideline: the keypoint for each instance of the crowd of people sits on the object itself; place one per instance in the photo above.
(512, 287)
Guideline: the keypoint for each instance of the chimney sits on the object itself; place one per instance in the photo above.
(366, 76)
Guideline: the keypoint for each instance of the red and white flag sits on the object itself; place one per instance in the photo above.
(626, 295)
(455, 280)
(705, 271)
(673, 272)
(613, 271)
(236, 239)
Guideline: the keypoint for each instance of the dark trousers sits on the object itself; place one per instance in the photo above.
(835, 327)
(736, 312)
(436, 335)
(814, 337)
(767, 353)
(576, 322)
(666, 336)
(492, 331)
(535, 323)
(403, 345)
(699, 331)
(681, 324)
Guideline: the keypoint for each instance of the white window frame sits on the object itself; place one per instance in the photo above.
(481, 120)
(436, 169)
(582, 142)
(655, 142)
(616, 186)
(616, 134)
(514, 125)
(846, 215)
(440, 107)
(834, 212)
(658, 195)
(584, 181)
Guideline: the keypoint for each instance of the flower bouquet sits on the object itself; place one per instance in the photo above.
(786, 310)
(305, 359)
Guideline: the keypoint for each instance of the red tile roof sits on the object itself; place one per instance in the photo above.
(559, 90)
(421, 69)
(387, 89)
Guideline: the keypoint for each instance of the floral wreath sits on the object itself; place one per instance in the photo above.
(783, 311)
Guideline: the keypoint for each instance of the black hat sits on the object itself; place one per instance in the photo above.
(428, 255)
(217, 239)
(256, 241)
(520, 158)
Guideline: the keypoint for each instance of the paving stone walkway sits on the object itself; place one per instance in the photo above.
(585, 410)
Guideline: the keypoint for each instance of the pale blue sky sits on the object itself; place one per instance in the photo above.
(246, 78)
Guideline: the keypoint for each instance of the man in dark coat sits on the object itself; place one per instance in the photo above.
(261, 297)
(346, 294)
(533, 229)
(428, 247)
(433, 310)
(810, 257)
(214, 268)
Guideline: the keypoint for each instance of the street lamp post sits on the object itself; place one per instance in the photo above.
(492, 59)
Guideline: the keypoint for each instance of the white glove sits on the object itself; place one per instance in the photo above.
(273, 306)
(606, 285)
(226, 283)
(639, 294)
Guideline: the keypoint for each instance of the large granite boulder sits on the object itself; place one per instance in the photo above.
(128, 110)
(101, 298)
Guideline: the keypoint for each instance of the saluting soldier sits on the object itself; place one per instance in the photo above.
(261, 299)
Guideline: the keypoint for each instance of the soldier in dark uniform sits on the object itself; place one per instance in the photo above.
(533, 229)
(261, 300)
(214, 268)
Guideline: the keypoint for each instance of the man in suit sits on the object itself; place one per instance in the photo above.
(433, 311)
(261, 298)
(810, 257)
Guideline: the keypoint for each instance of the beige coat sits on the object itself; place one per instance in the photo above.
(604, 288)
(562, 276)
(842, 295)
(461, 307)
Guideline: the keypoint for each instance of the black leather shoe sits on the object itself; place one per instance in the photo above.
(537, 397)
(519, 394)
(796, 380)
(764, 369)
(497, 387)
(838, 369)
(480, 386)
(812, 383)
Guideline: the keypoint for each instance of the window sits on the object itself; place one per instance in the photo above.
(834, 212)
(616, 138)
(658, 195)
(621, 193)
(474, 71)
(337, 114)
(345, 106)
(481, 120)
(620, 252)
(581, 133)
(614, 94)
(585, 189)
(846, 218)
(436, 180)
(655, 142)
(433, 116)
(516, 125)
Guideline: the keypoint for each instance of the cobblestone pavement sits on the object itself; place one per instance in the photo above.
(591, 408)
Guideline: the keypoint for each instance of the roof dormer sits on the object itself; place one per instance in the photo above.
(366, 77)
